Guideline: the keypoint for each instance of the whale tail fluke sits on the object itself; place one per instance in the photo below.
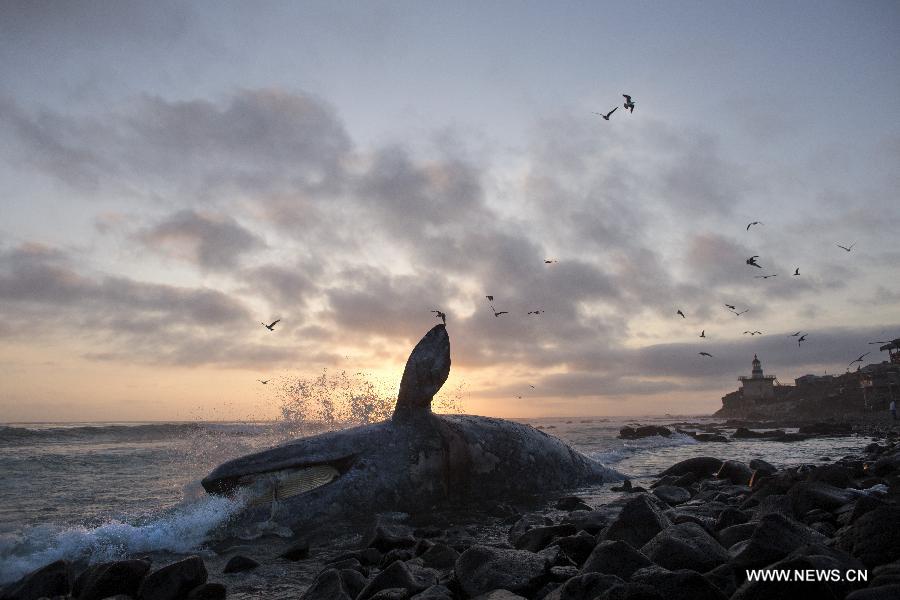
(427, 368)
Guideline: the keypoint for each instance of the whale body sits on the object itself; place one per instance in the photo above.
(413, 462)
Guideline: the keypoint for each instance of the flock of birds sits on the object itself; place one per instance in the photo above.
(629, 105)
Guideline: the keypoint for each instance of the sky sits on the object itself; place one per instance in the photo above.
(172, 174)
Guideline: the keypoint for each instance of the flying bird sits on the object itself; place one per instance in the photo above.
(752, 261)
(531, 386)
(264, 382)
(703, 333)
(729, 306)
(845, 247)
(629, 103)
(795, 334)
(681, 313)
(607, 115)
(705, 354)
(535, 312)
(737, 314)
(764, 276)
(859, 360)
(882, 342)
(490, 298)
(497, 314)
(440, 315)
(802, 338)
(548, 261)
(753, 223)
(271, 326)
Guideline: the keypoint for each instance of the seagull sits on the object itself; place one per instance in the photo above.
(882, 342)
(737, 314)
(729, 306)
(752, 261)
(859, 360)
(703, 333)
(802, 338)
(845, 247)
(497, 314)
(753, 223)
(271, 326)
(535, 312)
(764, 276)
(548, 261)
(441, 316)
(264, 382)
(797, 271)
(795, 334)
(531, 386)
(681, 313)
(705, 354)
(607, 115)
(629, 103)
(490, 298)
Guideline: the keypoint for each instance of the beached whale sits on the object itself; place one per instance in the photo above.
(412, 462)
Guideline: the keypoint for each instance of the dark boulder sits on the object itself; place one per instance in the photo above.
(730, 516)
(539, 538)
(481, 569)
(633, 433)
(639, 520)
(762, 467)
(672, 495)
(736, 472)
(591, 521)
(439, 556)
(826, 429)
(873, 538)
(808, 495)
(173, 581)
(391, 594)
(207, 591)
(710, 437)
(577, 547)
(836, 475)
(615, 557)
(526, 522)
(584, 587)
(730, 536)
(780, 504)
(50, 580)
(882, 592)
(387, 535)
(774, 537)
(744, 433)
(570, 503)
(239, 563)
(701, 466)
(327, 586)
(353, 581)
(723, 577)
(435, 592)
(685, 546)
(400, 575)
(299, 551)
(682, 584)
(108, 579)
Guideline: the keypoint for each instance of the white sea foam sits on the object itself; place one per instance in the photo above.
(181, 529)
(630, 447)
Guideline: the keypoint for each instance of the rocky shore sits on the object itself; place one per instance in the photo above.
(692, 535)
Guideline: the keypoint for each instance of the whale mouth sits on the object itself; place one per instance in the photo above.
(263, 487)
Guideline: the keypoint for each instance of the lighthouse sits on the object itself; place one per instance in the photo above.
(758, 386)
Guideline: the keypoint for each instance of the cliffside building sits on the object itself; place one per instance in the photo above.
(757, 386)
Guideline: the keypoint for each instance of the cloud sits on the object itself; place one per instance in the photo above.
(213, 242)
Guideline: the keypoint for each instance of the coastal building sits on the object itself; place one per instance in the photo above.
(757, 386)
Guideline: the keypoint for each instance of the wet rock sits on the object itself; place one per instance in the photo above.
(709, 437)
(563, 573)
(387, 536)
(808, 495)
(763, 467)
(570, 503)
(239, 563)
(422, 547)
(836, 475)
(391, 594)
(435, 592)
(780, 504)
(826, 429)
(50, 580)
(685, 546)
(882, 592)
(299, 551)
(481, 569)
(730, 516)
(354, 581)
(400, 575)
(615, 557)
(671, 494)
(682, 584)
(736, 472)
(631, 591)
(394, 555)
(535, 540)
(744, 433)
(634, 433)
(577, 547)
(774, 537)
(499, 595)
(730, 536)
(862, 506)
(723, 578)
(109, 579)
(591, 521)
(639, 520)
(526, 522)
(173, 581)
(439, 556)
(207, 591)
(327, 586)
(873, 537)
(701, 466)
(584, 587)
(826, 529)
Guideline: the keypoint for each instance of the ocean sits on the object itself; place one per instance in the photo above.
(99, 491)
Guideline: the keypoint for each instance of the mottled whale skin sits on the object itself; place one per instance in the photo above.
(416, 460)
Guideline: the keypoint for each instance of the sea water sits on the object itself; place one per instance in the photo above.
(100, 491)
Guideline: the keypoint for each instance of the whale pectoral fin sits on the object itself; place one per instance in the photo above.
(427, 368)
